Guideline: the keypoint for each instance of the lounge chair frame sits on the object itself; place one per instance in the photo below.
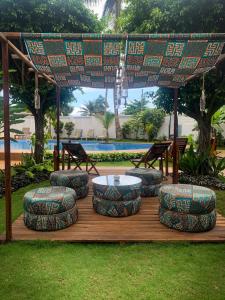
(77, 155)
(155, 153)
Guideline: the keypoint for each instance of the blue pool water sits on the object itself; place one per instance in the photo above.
(88, 145)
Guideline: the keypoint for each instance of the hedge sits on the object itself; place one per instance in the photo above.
(110, 156)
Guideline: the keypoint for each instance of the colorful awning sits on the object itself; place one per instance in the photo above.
(93, 60)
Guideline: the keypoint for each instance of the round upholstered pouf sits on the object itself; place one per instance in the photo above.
(151, 180)
(186, 198)
(50, 208)
(116, 208)
(75, 179)
(188, 222)
(187, 207)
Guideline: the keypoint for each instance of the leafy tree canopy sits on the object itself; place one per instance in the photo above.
(173, 16)
(136, 106)
(94, 107)
(42, 16)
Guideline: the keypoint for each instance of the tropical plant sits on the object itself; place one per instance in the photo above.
(69, 127)
(94, 107)
(195, 164)
(218, 119)
(16, 116)
(106, 121)
(136, 106)
(42, 16)
(147, 122)
(151, 119)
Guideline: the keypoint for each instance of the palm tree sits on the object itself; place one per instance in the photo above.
(106, 121)
(112, 7)
(88, 109)
(94, 107)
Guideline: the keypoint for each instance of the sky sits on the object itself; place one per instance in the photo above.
(98, 9)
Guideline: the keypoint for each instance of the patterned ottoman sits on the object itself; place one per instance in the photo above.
(50, 208)
(186, 207)
(151, 180)
(116, 199)
(77, 180)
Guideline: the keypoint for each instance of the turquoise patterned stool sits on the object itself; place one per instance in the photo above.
(187, 207)
(151, 180)
(116, 198)
(50, 208)
(77, 180)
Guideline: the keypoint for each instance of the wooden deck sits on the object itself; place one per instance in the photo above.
(142, 227)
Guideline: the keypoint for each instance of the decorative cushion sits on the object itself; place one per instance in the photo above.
(49, 200)
(187, 198)
(75, 179)
(82, 191)
(148, 176)
(188, 222)
(117, 193)
(51, 222)
(116, 208)
(151, 180)
(150, 190)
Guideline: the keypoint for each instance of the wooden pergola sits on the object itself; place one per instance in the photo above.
(184, 56)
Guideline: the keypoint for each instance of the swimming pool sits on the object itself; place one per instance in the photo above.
(88, 145)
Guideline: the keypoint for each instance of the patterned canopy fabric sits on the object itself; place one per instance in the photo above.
(93, 60)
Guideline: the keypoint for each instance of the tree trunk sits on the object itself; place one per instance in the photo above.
(169, 127)
(39, 137)
(204, 125)
(117, 121)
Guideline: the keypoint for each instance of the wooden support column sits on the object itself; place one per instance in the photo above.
(8, 200)
(57, 123)
(175, 150)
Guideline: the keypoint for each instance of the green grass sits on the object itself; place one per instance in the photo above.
(47, 270)
(220, 197)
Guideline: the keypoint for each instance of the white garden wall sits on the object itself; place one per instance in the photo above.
(186, 125)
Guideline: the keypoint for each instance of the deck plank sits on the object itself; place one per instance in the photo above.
(142, 227)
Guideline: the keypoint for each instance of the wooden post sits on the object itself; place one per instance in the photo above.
(57, 124)
(8, 204)
(175, 150)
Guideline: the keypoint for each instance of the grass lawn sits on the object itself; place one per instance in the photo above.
(47, 270)
(50, 270)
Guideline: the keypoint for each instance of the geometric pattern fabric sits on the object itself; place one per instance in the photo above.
(187, 207)
(92, 60)
(75, 179)
(87, 61)
(169, 62)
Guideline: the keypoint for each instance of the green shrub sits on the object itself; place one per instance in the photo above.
(115, 156)
(194, 163)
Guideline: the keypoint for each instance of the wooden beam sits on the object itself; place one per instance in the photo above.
(15, 56)
(58, 92)
(175, 132)
(8, 200)
(24, 58)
